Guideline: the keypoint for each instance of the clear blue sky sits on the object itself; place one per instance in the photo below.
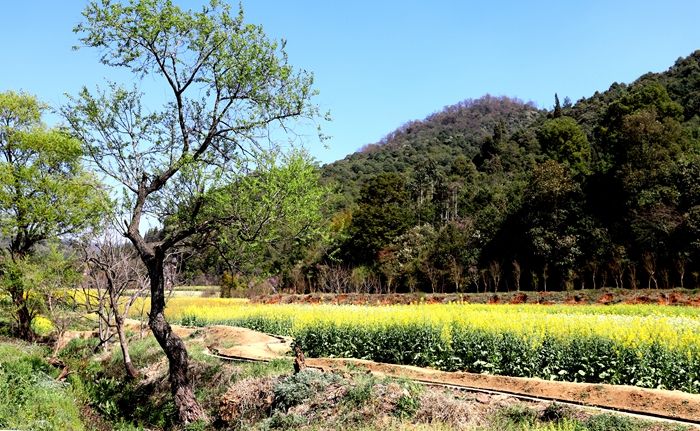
(379, 64)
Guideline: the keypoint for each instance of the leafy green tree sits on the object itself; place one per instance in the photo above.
(563, 140)
(45, 194)
(411, 253)
(226, 86)
(551, 212)
(455, 245)
(381, 216)
(279, 207)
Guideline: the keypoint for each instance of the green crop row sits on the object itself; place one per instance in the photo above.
(591, 359)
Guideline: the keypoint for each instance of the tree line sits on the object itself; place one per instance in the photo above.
(494, 194)
(600, 193)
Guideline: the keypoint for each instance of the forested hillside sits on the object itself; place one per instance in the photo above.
(495, 194)
(453, 135)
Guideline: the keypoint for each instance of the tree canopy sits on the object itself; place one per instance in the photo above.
(45, 194)
(587, 194)
(227, 85)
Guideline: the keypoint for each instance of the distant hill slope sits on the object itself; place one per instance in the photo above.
(463, 128)
(459, 129)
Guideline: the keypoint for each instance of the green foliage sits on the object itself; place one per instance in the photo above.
(282, 421)
(406, 407)
(556, 413)
(45, 194)
(518, 414)
(409, 402)
(563, 139)
(44, 190)
(610, 422)
(361, 392)
(78, 349)
(415, 344)
(579, 359)
(380, 217)
(278, 215)
(576, 197)
(212, 51)
(30, 398)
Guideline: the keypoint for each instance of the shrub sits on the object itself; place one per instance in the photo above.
(297, 388)
(609, 422)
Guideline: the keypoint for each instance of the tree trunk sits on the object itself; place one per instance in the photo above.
(187, 406)
(24, 317)
(128, 366)
(24, 322)
(299, 361)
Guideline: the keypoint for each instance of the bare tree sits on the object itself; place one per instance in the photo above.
(535, 280)
(593, 265)
(649, 262)
(618, 271)
(473, 272)
(334, 279)
(433, 274)
(666, 277)
(456, 273)
(516, 274)
(484, 278)
(604, 279)
(545, 275)
(632, 270)
(680, 268)
(116, 277)
(495, 271)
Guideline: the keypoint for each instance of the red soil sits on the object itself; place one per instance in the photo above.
(603, 296)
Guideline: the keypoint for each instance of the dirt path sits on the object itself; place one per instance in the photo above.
(672, 404)
(245, 343)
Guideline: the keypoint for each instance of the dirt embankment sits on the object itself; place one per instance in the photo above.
(603, 296)
(671, 404)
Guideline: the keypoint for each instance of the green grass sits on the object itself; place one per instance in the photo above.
(30, 397)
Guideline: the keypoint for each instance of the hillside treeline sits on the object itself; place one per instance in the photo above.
(494, 194)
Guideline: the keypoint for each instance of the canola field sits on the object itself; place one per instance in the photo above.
(644, 345)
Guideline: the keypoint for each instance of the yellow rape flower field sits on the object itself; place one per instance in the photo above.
(632, 325)
(645, 345)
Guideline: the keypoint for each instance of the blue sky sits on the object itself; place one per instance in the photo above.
(379, 64)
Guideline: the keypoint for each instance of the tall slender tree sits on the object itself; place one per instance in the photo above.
(227, 85)
(557, 107)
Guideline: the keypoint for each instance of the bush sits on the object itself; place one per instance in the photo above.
(517, 414)
(299, 387)
(609, 422)
(281, 421)
(361, 392)
(42, 326)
